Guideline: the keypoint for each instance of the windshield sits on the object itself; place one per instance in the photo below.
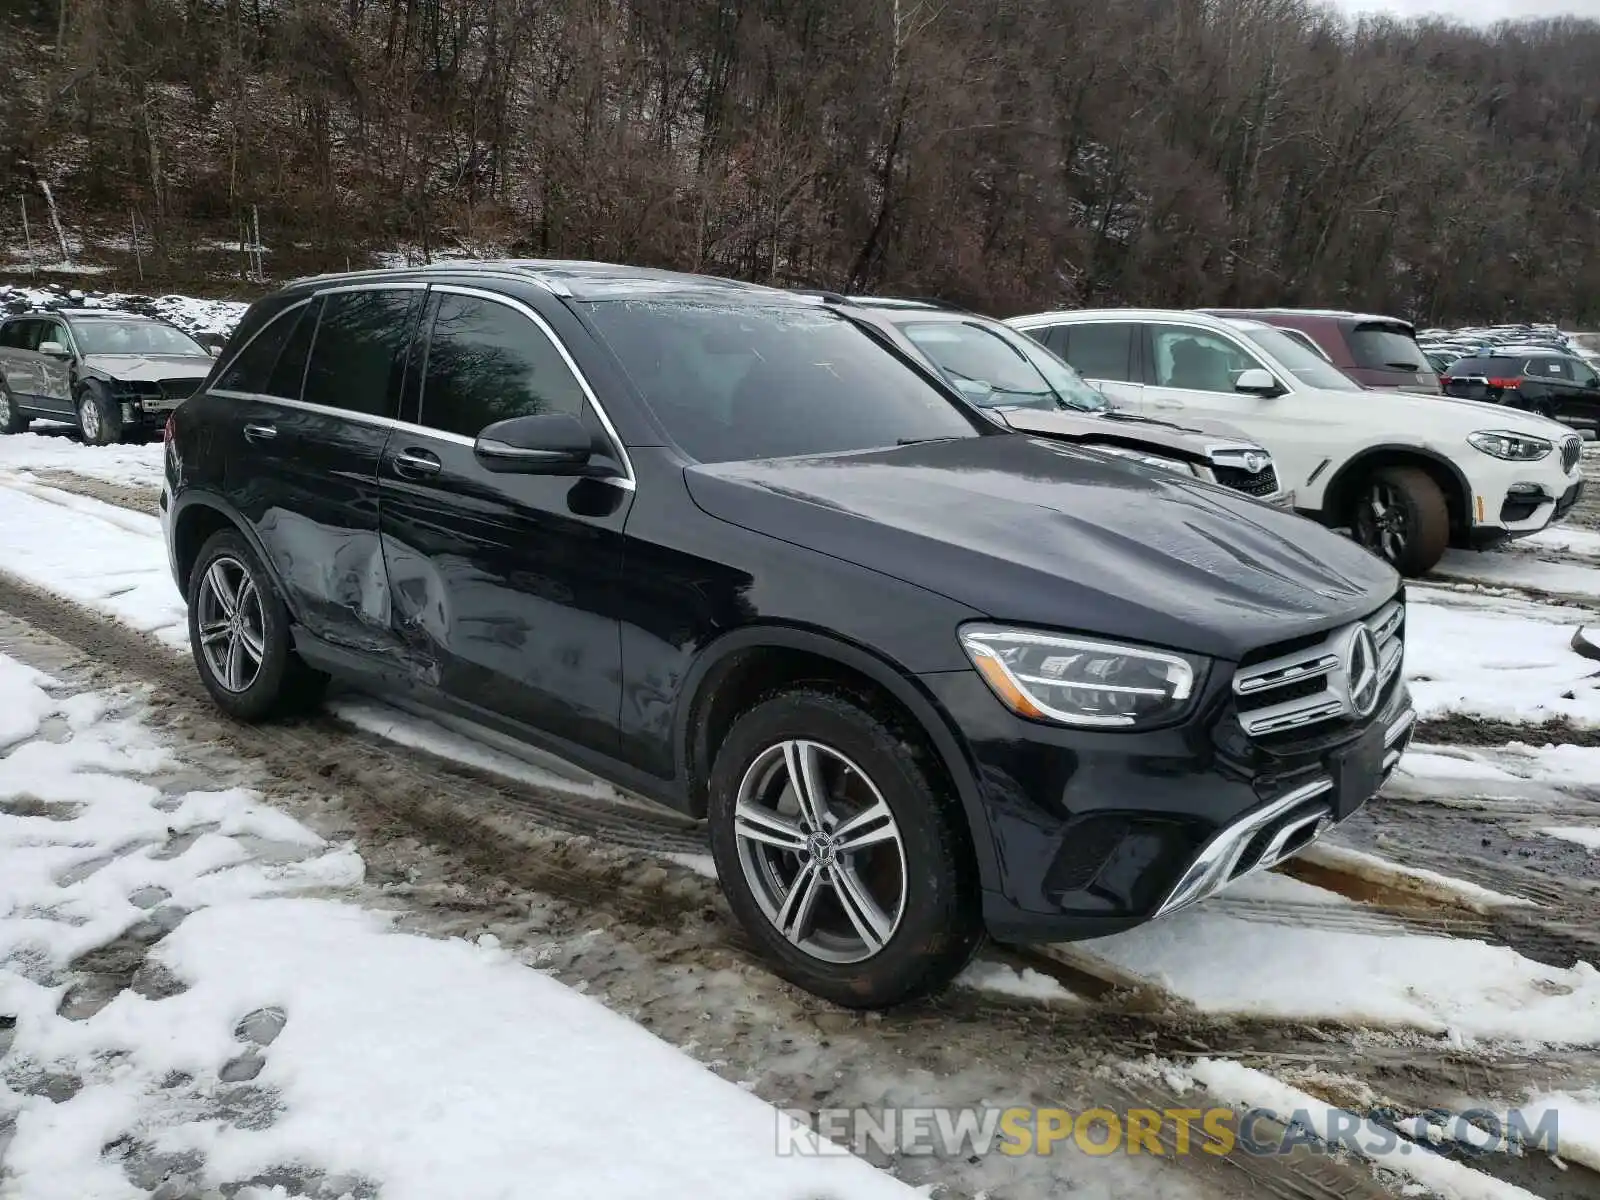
(1386, 348)
(731, 382)
(133, 337)
(1310, 369)
(1001, 369)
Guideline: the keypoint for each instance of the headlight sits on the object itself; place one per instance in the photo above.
(1149, 460)
(1077, 681)
(1513, 447)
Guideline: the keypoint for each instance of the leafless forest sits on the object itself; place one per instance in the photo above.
(1001, 153)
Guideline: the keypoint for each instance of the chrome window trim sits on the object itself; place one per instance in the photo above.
(403, 285)
(629, 480)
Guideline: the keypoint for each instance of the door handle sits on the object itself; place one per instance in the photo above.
(416, 462)
(260, 433)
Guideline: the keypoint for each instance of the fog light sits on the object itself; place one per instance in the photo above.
(1525, 489)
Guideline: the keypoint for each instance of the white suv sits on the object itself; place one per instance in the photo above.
(1410, 474)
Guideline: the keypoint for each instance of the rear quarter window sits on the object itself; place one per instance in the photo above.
(1376, 347)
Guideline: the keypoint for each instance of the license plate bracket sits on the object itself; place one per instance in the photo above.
(1358, 771)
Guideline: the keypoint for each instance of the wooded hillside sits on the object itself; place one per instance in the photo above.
(1002, 153)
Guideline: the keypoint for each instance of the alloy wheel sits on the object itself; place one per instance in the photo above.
(1382, 521)
(232, 623)
(89, 418)
(821, 851)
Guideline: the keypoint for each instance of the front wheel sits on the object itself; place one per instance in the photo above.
(1401, 516)
(99, 420)
(841, 851)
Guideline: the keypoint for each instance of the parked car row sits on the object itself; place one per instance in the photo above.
(1410, 474)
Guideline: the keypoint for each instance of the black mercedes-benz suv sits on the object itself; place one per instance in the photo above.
(734, 549)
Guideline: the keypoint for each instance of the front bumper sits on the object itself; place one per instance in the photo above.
(1512, 500)
(1098, 832)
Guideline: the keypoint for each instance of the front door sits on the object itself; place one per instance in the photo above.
(317, 391)
(54, 370)
(1190, 373)
(504, 586)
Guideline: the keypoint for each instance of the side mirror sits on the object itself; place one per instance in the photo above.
(1256, 382)
(53, 349)
(979, 391)
(547, 444)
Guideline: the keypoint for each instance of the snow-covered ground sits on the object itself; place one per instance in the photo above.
(267, 990)
(1507, 660)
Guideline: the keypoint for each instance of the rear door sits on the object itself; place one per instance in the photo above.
(317, 393)
(505, 586)
(1563, 387)
(1105, 353)
(18, 337)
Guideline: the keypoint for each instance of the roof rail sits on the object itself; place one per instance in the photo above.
(824, 294)
(502, 267)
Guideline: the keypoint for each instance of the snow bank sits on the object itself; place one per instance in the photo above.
(1277, 959)
(1501, 665)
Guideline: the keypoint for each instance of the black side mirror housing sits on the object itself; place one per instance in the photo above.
(546, 444)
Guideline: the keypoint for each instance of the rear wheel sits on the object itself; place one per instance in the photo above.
(841, 851)
(240, 635)
(1401, 516)
(99, 420)
(11, 418)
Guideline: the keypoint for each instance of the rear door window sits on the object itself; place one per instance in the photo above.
(358, 354)
(1099, 349)
(14, 335)
(486, 363)
(1377, 347)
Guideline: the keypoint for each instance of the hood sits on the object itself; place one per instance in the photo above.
(136, 367)
(1484, 415)
(1045, 534)
(1128, 429)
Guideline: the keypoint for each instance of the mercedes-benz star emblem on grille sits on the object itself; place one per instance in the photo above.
(1361, 671)
(1255, 463)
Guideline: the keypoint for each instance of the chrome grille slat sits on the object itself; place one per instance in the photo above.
(1301, 668)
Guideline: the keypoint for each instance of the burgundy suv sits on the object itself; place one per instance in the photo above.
(1377, 352)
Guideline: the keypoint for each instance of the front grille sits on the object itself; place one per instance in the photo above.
(1260, 483)
(1297, 684)
(178, 389)
(1571, 452)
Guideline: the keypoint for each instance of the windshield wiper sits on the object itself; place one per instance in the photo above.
(948, 437)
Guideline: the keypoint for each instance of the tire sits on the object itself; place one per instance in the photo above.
(281, 684)
(1413, 531)
(865, 763)
(99, 420)
(11, 418)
